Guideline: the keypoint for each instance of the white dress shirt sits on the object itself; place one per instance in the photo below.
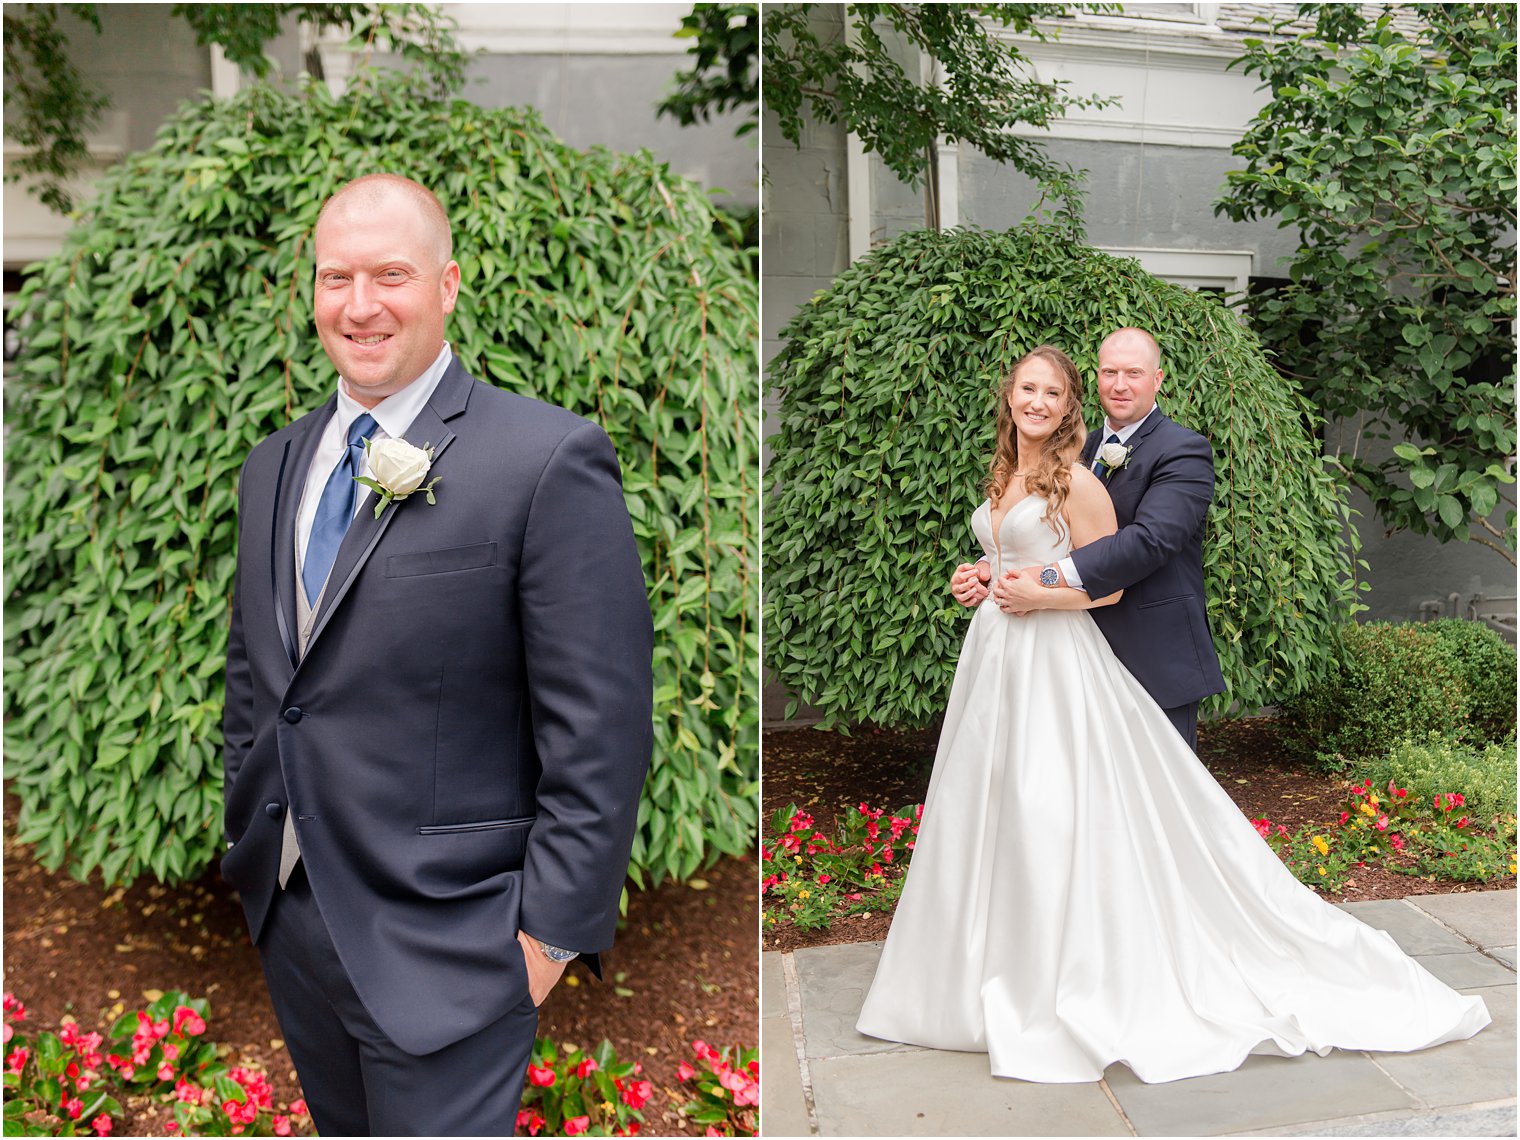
(394, 414)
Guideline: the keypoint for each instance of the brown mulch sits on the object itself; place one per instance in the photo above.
(827, 773)
(686, 966)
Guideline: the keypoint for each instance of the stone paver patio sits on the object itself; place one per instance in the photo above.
(824, 1079)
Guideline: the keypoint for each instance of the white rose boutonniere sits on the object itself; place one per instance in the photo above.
(1113, 456)
(397, 470)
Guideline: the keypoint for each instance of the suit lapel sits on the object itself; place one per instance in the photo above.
(292, 482)
(1152, 422)
(428, 429)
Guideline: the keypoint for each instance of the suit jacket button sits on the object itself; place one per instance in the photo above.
(292, 715)
(274, 811)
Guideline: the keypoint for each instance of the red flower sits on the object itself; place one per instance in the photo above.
(576, 1125)
(822, 879)
(102, 1125)
(685, 1072)
(853, 898)
(1461, 802)
(15, 1061)
(187, 1022)
(636, 1093)
(186, 1092)
(711, 1131)
(1462, 822)
(14, 1008)
(541, 1075)
(588, 1065)
(1345, 815)
(298, 1107)
(1397, 841)
(703, 1049)
(73, 1106)
(1263, 826)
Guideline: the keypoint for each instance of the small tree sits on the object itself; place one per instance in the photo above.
(989, 88)
(1393, 154)
(889, 382)
(174, 331)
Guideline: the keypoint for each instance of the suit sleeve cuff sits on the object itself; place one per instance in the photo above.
(1069, 572)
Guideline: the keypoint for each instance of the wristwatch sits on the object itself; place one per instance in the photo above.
(1050, 577)
(556, 953)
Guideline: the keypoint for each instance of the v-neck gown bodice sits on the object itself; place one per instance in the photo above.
(1083, 892)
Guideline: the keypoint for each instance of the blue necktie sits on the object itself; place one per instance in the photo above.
(335, 510)
(1098, 467)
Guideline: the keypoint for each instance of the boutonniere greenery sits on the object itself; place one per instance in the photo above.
(396, 471)
(1113, 456)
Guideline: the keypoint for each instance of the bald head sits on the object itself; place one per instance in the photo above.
(364, 195)
(1134, 340)
(1129, 375)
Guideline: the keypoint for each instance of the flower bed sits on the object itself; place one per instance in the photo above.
(73, 1083)
(811, 878)
(1399, 832)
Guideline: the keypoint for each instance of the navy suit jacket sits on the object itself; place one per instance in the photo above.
(464, 742)
(1160, 628)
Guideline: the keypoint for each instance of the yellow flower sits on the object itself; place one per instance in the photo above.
(796, 858)
(1512, 868)
(1321, 870)
(802, 895)
(1320, 845)
(1367, 809)
(1373, 800)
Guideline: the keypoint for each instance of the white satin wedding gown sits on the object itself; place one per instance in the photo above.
(1083, 892)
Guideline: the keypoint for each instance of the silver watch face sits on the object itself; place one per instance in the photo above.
(555, 954)
(1049, 577)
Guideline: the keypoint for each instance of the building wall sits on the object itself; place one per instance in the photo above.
(595, 71)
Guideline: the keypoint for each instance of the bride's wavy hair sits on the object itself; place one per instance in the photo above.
(1050, 474)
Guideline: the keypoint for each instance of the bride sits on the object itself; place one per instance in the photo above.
(1082, 892)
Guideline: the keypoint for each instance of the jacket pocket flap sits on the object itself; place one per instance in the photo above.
(441, 561)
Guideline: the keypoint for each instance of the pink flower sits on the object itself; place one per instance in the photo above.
(72, 1106)
(187, 1022)
(1263, 826)
(636, 1093)
(102, 1125)
(711, 1131)
(186, 1092)
(298, 1107)
(703, 1049)
(14, 1008)
(15, 1061)
(1397, 841)
(685, 1072)
(1461, 801)
(1382, 823)
(576, 1125)
(281, 1125)
(541, 1076)
(853, 898)
(587, 1065)
(1345, 815)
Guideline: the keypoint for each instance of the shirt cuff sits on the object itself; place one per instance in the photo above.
(1069, 572)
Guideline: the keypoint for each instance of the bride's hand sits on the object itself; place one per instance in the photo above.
(968, 585)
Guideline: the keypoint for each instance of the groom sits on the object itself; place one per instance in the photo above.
(436, 734)
(1160, 476)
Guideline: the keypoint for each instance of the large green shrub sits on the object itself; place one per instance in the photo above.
(1408, 679)
(888, 384)
(174, 331)
(1488, 666)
